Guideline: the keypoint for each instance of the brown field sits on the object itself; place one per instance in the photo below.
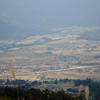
(62, 47)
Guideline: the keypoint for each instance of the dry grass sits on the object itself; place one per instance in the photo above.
(80, 90)
(12, 70)
(13, 75)
(87, 92)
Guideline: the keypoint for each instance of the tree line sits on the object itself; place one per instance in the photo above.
(18, 93)
(94, 86)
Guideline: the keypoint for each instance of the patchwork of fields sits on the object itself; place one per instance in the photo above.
(51, 57)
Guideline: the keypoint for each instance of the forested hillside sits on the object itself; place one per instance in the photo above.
(18, 93)
(26, 90)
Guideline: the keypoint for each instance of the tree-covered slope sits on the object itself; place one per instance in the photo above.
(11, 93)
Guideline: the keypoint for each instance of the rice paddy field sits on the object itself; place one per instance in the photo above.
(57, 58)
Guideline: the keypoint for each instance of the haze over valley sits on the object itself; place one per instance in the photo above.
(50, 41)
(22, 19)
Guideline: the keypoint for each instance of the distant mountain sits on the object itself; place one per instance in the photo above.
(91, 35)
(19, 29)
(22, 18)
(18, 22)
(11, 32)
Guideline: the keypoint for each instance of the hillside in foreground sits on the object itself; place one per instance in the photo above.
(18, 93)
(49, 91)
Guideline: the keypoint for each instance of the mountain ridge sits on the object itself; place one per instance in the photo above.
(91, 35)
(29, 18)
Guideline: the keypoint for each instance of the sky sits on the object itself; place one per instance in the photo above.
(60, 13)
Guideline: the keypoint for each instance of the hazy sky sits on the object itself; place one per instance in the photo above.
(73, 12)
